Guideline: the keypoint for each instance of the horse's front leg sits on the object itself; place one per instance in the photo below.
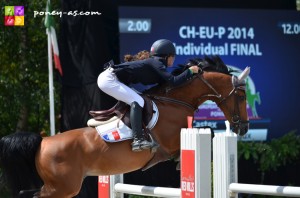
(46, 192)
(27, 193)
(56, 192)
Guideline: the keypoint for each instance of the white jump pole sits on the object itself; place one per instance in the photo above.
(147, 190)
(289, 191)
(224, 162)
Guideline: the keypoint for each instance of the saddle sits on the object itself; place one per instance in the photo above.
(121, 110)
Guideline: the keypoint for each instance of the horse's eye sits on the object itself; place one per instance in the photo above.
(242, 98)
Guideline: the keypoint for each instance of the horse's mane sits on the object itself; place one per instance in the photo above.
(210, 64)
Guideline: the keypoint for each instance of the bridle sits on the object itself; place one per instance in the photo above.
(236, 120)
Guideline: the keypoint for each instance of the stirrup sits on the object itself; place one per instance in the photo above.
(145, 144)
(140, 144)
(136, 148)
(136, 145)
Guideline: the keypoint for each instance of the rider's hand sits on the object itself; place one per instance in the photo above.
(194, 69)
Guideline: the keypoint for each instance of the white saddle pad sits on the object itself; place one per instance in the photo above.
(116, 130)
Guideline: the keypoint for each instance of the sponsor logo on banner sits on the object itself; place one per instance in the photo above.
(188, 174)
(103, 186)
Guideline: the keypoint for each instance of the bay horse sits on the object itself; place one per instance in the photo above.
(57, 165)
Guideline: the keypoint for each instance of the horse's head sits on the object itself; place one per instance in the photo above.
(226, 90)
(233, 104)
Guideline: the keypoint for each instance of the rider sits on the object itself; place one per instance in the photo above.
(116, 79)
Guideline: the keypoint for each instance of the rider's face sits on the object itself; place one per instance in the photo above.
(170, 60)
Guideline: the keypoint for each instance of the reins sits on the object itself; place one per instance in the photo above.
(190, 106)
(172, 100)
(217, 95)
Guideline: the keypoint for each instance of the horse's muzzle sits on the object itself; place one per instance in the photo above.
(240, 128)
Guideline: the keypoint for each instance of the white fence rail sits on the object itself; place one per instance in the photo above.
(289, 191)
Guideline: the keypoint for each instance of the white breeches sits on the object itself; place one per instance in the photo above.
(110, 84)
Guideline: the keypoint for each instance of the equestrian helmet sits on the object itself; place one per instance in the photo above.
(162, 48)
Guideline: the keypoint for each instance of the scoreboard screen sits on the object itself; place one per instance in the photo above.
(266, 40)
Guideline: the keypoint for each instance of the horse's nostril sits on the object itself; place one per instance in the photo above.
(244, 129)
(241, 129)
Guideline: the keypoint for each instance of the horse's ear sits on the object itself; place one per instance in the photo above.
(244, 74)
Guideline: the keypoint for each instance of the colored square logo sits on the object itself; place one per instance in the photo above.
(9, 20)
(14, 16)
(19, 20)
(19, 10)
(9, 11)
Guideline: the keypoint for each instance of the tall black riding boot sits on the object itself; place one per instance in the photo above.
(139, 142)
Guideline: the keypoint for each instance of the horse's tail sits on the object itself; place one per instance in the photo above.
(17, 161)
